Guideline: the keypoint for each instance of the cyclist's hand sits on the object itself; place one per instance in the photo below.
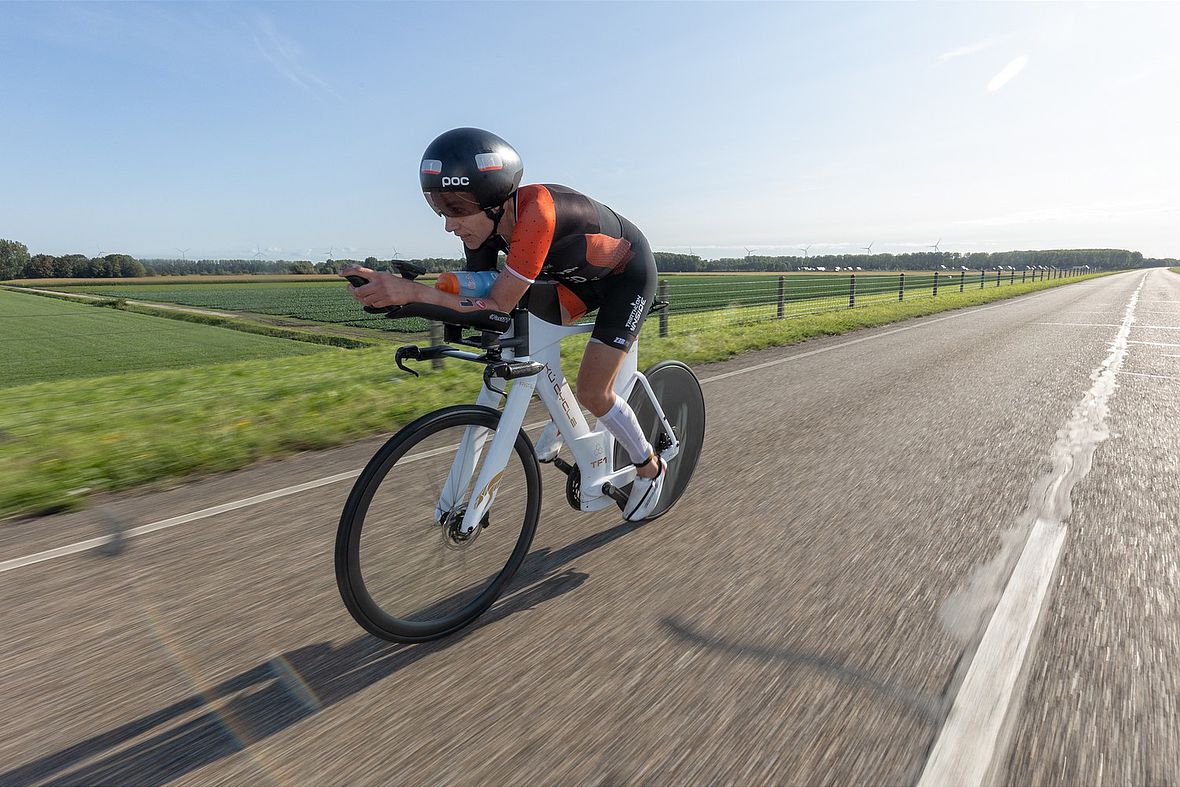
(383, 289)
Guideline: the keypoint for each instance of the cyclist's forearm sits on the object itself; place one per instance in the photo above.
(460, 303)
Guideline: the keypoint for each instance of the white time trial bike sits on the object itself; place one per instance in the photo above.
(444, 513)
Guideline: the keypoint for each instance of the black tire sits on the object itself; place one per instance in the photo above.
(680, 397)
(392, 506)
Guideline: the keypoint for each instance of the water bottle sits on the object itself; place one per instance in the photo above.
(467, 284)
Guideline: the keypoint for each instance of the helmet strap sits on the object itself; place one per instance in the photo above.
(495, 214)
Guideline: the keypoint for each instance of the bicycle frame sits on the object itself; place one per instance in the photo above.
(593, 449)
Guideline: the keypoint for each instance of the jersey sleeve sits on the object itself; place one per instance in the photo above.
(536, 221)
(482, 259)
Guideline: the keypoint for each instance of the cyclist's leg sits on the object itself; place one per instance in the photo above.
(623, 302)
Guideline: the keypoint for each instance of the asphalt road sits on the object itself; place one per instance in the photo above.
(804, 616)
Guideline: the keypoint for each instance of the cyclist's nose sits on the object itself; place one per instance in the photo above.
(450, 225)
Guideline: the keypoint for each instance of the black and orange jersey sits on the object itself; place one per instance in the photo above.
(562, 235)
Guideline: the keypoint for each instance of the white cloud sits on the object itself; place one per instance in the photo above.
(1007, 73)
(284, 54)
(971, 49)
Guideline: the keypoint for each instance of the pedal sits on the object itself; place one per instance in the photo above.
(614, 493)
(563, 465)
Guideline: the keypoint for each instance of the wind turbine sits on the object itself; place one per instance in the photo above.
(257, 252)
(805, 249)
(869, 249)
(749, 252)
(183, 252)
(936, 245)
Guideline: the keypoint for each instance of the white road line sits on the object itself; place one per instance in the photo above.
(1111, 325)
(83, 546)
(205, 513)
(1157, 344)
(1157, 376)
(970, 747)
(1082, 324)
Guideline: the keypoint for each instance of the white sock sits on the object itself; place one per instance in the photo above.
(621, 422)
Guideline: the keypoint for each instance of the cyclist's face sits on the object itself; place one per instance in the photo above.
(472, 230)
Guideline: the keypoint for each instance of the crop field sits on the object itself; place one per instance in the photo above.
(320, 301)
(45, 339)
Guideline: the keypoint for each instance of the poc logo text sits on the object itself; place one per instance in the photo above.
(456, 181)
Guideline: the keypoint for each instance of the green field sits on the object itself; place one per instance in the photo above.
(46, 339)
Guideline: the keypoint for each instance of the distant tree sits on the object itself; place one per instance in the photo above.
(302, 267)
(121, 265)
(327, 266)
(40, 266)
(14, 256)
(72, 265)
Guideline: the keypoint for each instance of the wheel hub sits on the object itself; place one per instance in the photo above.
(452, 533)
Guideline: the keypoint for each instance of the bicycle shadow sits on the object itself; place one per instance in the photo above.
(929, 709)
(276, 694)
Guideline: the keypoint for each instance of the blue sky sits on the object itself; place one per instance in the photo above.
(294, 129)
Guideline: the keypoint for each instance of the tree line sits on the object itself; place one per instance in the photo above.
(1096, 259)
(17, 263)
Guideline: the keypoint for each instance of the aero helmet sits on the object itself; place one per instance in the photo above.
(468, 170)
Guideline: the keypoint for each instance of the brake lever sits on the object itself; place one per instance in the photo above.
(408, 351)
(409, 270)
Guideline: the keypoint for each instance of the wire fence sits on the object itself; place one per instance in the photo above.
(769, 297)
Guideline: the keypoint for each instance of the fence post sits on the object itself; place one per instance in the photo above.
(901, 287)
(981, 278)
(936, 284)
(851, 290)
(962, 279)
(1023, 273)
(782, 294)
(436, 338)
(997, 277)
(663, 295)
(1012, 276)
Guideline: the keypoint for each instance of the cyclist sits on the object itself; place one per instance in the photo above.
(598, 259)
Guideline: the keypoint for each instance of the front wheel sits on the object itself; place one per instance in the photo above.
(405, 570)
(680, 397)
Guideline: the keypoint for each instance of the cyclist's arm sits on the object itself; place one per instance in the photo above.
(506, 293)
(387, 289)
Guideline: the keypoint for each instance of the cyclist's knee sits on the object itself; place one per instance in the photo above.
(597, 400)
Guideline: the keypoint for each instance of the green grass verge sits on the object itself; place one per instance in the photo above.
(60, 441)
